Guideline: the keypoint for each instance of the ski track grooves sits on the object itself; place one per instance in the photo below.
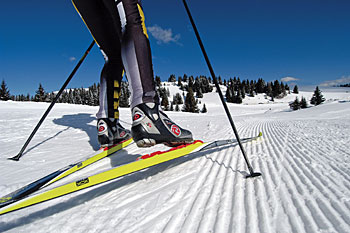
(212, 196)
(217, 202)
(298, 191)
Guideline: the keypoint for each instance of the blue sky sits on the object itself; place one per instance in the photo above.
(41, 41)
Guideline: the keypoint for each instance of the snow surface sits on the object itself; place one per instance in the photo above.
(303, 156)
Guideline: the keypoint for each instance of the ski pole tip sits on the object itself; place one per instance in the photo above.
(254, 174)
(15, 158)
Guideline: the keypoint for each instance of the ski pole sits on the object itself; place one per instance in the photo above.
(252, 173)
(20, 154)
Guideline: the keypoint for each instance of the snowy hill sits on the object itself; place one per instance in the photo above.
(303, 156)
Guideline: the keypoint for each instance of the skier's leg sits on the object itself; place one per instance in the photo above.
(136, 53)
(102, 19)
(150, 125)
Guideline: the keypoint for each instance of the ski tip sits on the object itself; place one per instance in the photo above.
(254, 174)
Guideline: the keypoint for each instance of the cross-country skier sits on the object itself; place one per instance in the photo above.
(118, 28)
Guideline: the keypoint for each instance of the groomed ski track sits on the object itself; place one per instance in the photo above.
(305, 187)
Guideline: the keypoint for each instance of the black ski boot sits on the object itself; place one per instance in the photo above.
(109, 132)
(151, 126)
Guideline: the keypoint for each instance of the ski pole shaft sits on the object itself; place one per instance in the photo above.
(20, 154)
(252, 173)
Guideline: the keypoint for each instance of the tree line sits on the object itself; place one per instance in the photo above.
(192, 89)
(237, 89)
(84, 96)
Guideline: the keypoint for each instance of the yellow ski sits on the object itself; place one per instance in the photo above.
(59, 174)
(141, 163)
(103, 177)
(106, 152)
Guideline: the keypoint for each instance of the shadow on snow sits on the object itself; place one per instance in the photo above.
(81, 121)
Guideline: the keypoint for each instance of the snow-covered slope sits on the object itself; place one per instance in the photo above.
(303, 156)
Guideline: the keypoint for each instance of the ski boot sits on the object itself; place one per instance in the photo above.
(151, 126)
(110, 132)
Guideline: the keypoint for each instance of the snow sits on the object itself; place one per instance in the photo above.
(303, 156)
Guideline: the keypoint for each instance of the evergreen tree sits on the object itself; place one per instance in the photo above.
(303, 103)
(252, 87)
(185, 79)
(83, 95)
(172, 106)
(238, 84)
(295, 90)
(251, 93)
(295, 105)
(51, 96)
(179, 83)
(204, 109)
(196, 85)
(96, 93)
(190, 83)
(243, 92)
(158, 81)
(190, 102)
(165, 102)
(283, 90)
(77, 94)
(4, 92)
(205, 85)
(161, 91)
(88, 98)
(269, 89)
(172, 78)
(229, 94)
(40, 95)
(317, 97)
(70, 97)
(287, 88)
(124, 95)
(260, 86)
(199, 94)
(177, 99)
(220, 81)
(238, 97)
(276, 89)
(64, 97)
(247, 86)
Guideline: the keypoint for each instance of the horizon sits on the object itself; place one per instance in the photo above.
(301, 88)
(304, 43)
